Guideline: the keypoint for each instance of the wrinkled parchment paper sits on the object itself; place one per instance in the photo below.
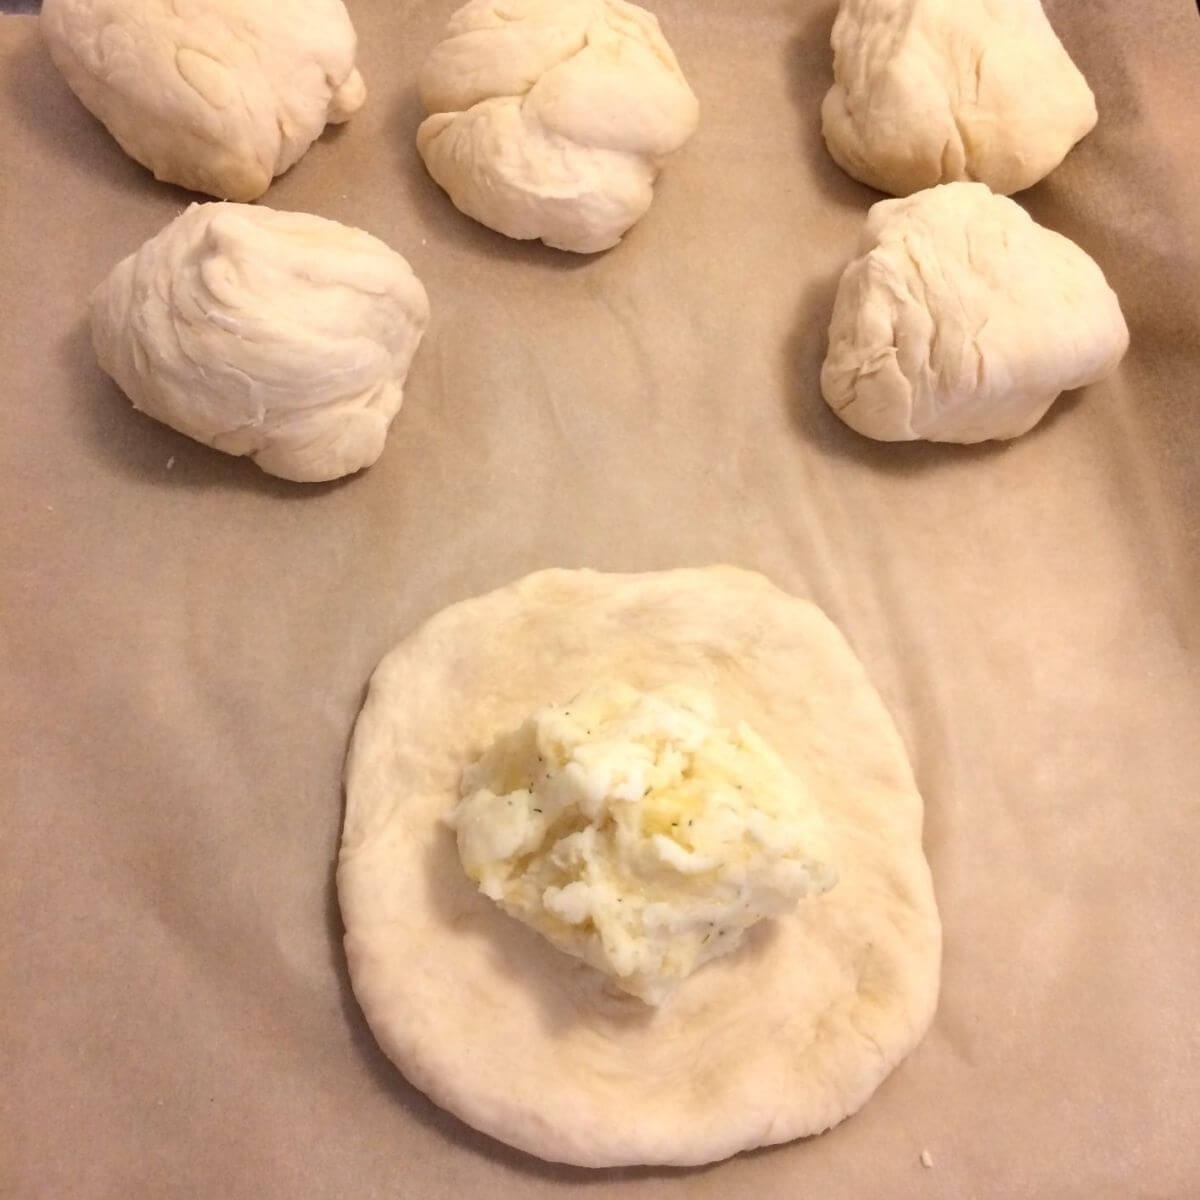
(186, 641)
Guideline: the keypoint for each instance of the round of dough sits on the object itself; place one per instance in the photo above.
(550, 118)
(279, 335)
(219, 96)
(930, 91)
(962, 319)
(784, 1037)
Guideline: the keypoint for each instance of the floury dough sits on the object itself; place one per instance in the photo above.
(278, 335)
(932, 91)
(782, 1038)
(550, 118)
(219, 96)
(962, 319)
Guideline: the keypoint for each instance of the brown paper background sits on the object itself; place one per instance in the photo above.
(186, 644)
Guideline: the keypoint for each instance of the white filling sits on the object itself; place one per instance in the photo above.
(636, 834)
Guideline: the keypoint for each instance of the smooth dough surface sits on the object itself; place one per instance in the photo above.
(550, 118)
(783, 1038)
(962, 320)
(283, 336)
(930, 91)
(219, 96)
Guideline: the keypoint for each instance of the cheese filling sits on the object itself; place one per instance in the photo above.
(637, 834)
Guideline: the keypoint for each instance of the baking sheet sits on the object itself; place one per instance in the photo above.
(186, 641)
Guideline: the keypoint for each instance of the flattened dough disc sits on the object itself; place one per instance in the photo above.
(783, 1038)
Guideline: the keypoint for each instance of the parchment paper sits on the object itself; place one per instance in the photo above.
(186, 641)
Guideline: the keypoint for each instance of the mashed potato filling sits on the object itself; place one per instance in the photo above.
(637, 834)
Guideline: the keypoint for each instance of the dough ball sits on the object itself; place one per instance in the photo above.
(550, 118)
(219, 96)
(962, 319)
(783, 1037)
(931, 91)
(279, 335)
